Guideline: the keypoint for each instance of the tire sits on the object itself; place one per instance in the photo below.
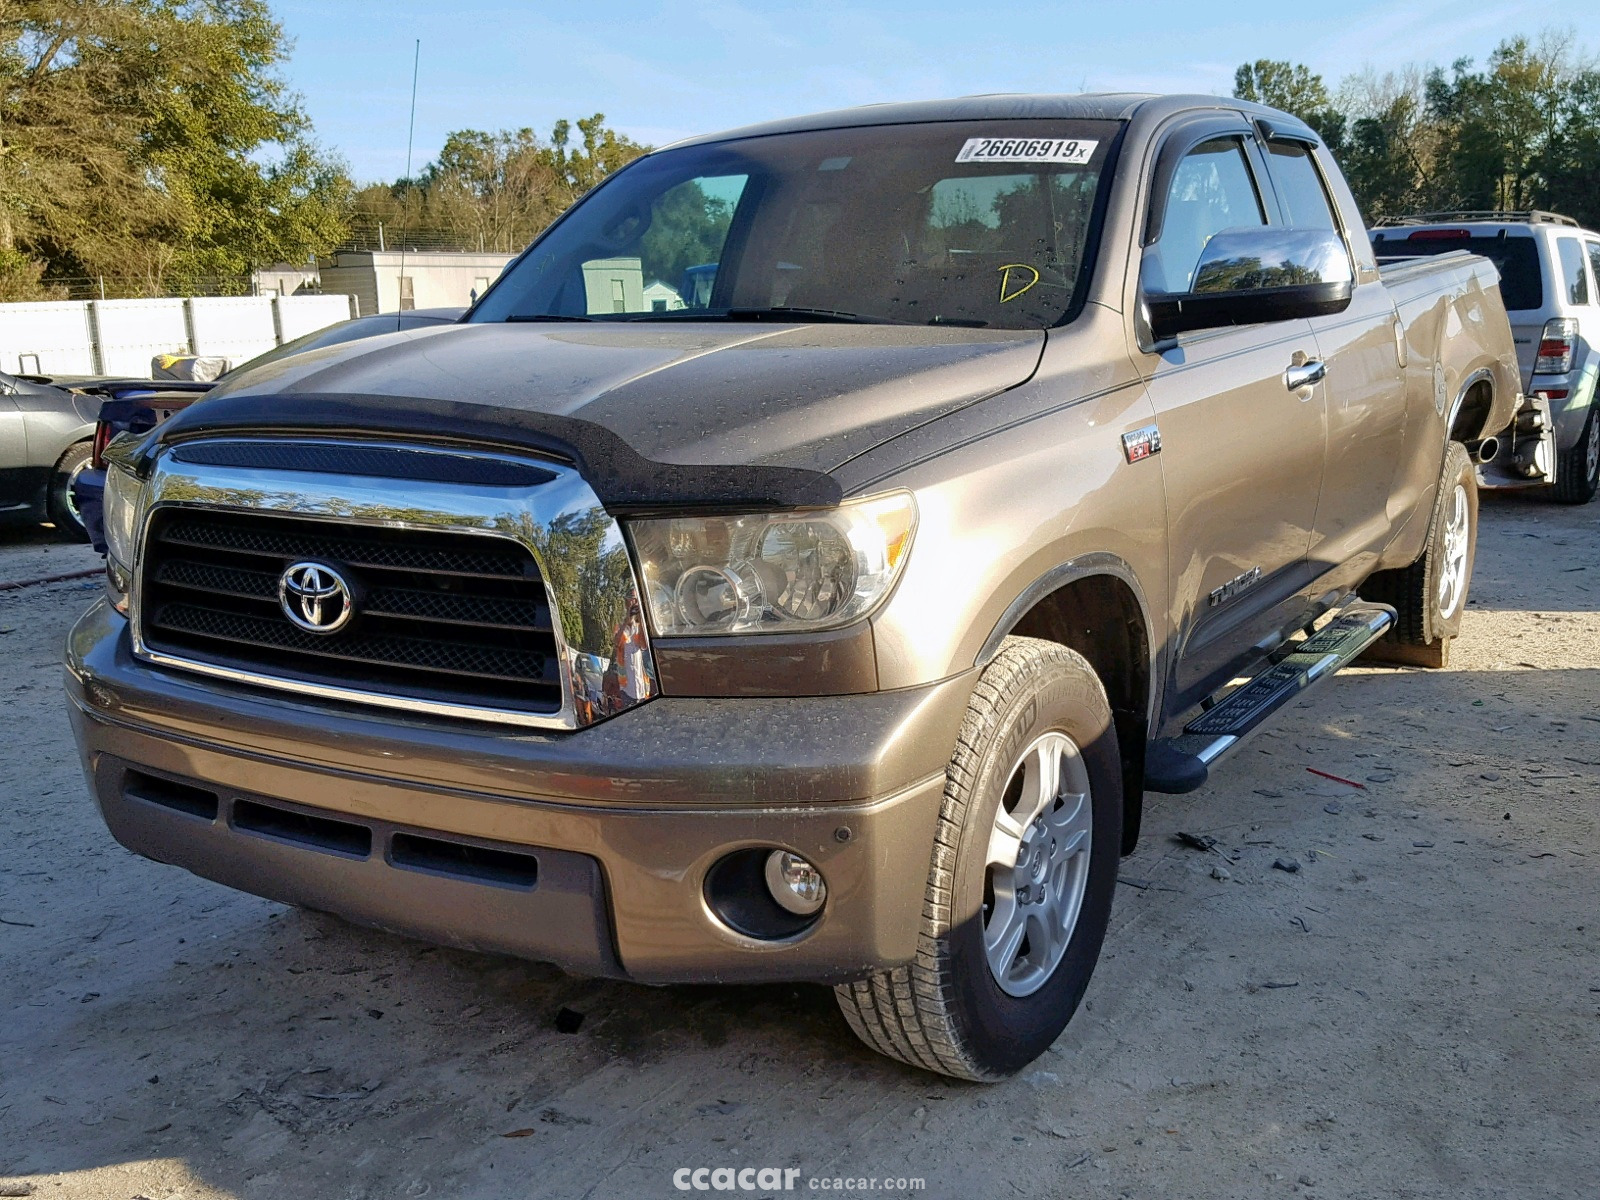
(948, 1010)
(1578, 469)
(60, 507)
(1430, 596)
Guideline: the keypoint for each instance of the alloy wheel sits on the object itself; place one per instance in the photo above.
(1453, 568)
(1038, 864)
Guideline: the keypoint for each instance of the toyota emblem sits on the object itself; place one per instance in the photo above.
(315, 597)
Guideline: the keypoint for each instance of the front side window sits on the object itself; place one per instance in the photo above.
(1573, 275)
(1211, 190)
(979, 224)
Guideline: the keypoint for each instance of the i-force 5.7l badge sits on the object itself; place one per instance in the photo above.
(1141, 443)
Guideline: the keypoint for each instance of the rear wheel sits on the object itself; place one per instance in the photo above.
(1430, 595)
(1019, 891)
(62, 507)
(1578, 469)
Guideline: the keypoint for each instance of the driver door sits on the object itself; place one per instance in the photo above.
(1242, 453)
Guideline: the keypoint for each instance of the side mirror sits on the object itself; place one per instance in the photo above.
(1250, 276)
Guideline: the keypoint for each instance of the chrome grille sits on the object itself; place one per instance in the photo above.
(266, 536)
(446, 616)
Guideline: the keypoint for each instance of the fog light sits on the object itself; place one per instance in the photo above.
(794, 883)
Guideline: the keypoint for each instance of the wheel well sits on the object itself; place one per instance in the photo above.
(1472, 412)
(1099, 616)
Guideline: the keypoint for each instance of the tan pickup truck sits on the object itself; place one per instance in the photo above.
(803, 560)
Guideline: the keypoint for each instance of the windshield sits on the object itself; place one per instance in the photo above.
(973, 223)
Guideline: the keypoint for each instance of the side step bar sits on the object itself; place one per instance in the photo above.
(1182, 763)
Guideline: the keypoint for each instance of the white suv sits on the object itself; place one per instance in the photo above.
(1550, 280)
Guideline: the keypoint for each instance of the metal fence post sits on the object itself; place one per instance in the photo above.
(97, 356)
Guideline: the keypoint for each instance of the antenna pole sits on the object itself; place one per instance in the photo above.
(411, 133)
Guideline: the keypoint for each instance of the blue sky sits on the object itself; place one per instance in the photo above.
(661, 71)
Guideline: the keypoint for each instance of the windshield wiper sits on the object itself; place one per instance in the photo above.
(525, 318)
(785, 313)
(778, 313)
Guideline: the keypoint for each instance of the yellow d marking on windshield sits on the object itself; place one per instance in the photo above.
(1008, 289)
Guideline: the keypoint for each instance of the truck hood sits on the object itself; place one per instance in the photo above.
(703, 393)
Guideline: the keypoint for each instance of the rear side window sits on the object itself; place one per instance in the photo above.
(1212, 190)
(1594, 259)
(1574, 279)
(1300, 189)
(1516, 258)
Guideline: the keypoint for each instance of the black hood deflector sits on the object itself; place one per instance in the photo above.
(623, 479)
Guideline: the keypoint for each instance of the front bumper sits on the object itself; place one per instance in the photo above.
(623, 819)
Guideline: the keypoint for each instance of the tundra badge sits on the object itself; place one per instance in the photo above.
(1236, 585)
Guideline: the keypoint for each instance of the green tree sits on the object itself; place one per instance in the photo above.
(1523, 131)
(687, 228)
(1388, 156)
(153, 143)
(1569, 164)
(1523, 123)
(600, 151)
(1292, 88)
(493, 191)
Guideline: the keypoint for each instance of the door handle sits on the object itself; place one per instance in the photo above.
(1303, 375)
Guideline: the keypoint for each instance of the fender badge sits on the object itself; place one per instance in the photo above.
(1141, 443)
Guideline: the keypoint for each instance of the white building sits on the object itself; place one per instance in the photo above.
(613, 285)
(284, 279)
(659, 297)
(396, 281)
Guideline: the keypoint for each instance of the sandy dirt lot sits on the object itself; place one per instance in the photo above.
(1415, 1013)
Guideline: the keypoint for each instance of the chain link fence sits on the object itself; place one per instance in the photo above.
(374, 235)
(106, 287)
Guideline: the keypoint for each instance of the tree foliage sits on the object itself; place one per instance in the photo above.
(494, 191)
(1292, 88)
(153, 143)
(1522, 131)
(687, 228)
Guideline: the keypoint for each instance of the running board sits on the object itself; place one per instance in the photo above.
(1182, 763)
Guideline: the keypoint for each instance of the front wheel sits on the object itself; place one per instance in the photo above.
(62, 505)
(1024, 866)
(1578, 469)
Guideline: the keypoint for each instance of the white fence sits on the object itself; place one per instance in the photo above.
(120, 337)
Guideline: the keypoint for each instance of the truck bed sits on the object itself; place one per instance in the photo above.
(1446, 311)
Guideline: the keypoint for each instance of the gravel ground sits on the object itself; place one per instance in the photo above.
(1414, 1013)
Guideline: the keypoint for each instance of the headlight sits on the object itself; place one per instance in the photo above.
(772, 572)
(121, 515)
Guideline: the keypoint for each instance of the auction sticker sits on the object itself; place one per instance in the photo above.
(1026, 150)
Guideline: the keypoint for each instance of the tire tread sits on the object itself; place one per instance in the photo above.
(1573, 483)
(910, 1013)
(1409, 589)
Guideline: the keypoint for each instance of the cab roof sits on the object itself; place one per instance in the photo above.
(1004, 106)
